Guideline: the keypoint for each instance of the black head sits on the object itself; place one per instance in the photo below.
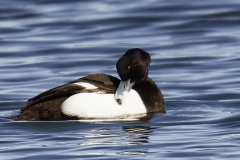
(134, 65)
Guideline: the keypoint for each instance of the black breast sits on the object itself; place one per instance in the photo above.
(151, 96)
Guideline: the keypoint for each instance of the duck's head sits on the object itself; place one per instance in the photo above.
(132, 68)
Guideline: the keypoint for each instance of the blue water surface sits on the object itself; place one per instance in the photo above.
(195, 53)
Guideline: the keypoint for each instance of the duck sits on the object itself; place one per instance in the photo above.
(101, 96)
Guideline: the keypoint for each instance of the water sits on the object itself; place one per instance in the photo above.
(195, 61)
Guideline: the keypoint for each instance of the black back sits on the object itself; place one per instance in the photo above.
(46, 105)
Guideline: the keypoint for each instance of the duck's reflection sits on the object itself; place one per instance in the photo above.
(138, 134)
(118, 133)
(119, 139)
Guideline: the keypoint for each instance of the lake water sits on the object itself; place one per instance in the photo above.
(195, 49)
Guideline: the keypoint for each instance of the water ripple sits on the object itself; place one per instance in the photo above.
(195, 61)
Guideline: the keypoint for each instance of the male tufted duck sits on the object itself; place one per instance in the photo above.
(100, 96)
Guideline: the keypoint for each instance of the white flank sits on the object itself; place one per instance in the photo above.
(94, 105)
(86, 85)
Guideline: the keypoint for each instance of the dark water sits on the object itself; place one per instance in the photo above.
(195, 61)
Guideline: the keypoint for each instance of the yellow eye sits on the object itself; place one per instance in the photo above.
(129, 67)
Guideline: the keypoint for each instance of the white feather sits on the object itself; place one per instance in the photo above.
(86, 85)
(94, 105)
